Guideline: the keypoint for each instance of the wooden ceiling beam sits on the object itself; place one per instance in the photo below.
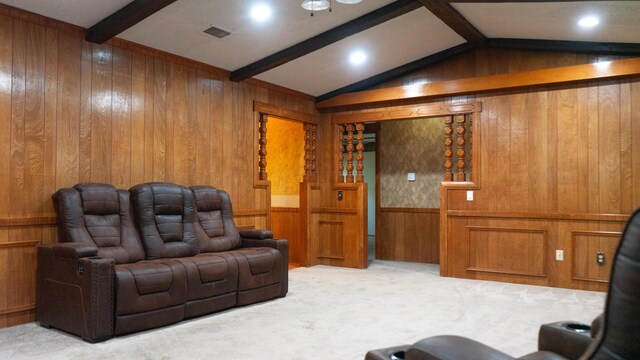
(600, 48)
(526, 79)
(453, 19)
(397, 72)
(121, 20)
(364, 22)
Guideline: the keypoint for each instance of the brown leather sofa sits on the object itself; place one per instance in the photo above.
(148, 257)
(613, 335)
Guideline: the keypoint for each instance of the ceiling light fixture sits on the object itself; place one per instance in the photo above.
(260, 13)
(358, 57)
(320, 5)
(588, 21)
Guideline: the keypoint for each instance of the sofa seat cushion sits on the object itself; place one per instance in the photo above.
(210, 274)
(258, 267)
(149, 285)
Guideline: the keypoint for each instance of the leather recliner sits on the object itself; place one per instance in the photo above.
(616, 332)
(101, 250)
(125, 265)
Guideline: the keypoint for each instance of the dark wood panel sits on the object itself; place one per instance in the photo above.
(408, 234)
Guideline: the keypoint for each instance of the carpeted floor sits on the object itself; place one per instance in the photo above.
(336, 313)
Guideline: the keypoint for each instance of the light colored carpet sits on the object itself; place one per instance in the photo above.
(336, 313)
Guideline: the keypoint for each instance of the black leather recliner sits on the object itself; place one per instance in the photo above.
(616, 332)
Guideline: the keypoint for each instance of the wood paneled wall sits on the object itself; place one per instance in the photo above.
(555, 161)
(408, 234)
(71, 111)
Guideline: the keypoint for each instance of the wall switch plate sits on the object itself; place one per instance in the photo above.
(411, 176)
(559, 255)
(600, 258)
(469, 195)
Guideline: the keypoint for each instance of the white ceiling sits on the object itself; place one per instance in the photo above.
(396, 42)
(178, 29)
(555, 20)
(85, 13)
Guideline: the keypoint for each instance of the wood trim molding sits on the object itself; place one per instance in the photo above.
(250, 212)
(538, 216)
(272, 110)
(15, 244)
(18, 309)
(285, 209)
(29, 221)
(545, 242)
(406, 112)
(562, 75)
(410, 210)
(327, 210)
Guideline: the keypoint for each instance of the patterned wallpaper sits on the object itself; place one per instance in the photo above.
(285, 160)
(411, 146)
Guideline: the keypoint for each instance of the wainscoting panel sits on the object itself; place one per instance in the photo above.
(585, 248)
(408, 234)
(286, 224)
(507, 250)
(521, 248)
(331, 245)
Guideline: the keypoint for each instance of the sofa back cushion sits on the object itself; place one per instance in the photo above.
(216, 229)
(166, 218)
(99, 215)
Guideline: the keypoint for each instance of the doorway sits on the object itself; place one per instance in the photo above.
(285, 162)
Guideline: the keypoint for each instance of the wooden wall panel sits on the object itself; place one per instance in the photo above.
(408, 234)
(71, 111)
(286, 224)
(507, 250)
(585, 247)
(560, 158)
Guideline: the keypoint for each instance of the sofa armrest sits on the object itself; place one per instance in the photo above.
(449, 347)
(75, 293)
(562, 338)
(74, 250)
(282, 246)
(256, 234)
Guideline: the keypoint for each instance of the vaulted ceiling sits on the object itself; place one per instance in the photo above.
(310, 54)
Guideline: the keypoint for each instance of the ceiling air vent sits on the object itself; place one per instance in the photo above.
(217, 32)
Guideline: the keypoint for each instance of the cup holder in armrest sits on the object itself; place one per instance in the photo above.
(577, 327)
(398, 355)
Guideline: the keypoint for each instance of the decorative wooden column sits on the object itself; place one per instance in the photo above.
(460, 130)
(359, 149)
(340, 175)
(349, 153)
(448, 152)
(310, 133)
(314, 168)
(262, 152)
(472, 176)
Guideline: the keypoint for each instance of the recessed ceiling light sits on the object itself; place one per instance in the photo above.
(357, 57)
(260, 12)
(588, 21)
